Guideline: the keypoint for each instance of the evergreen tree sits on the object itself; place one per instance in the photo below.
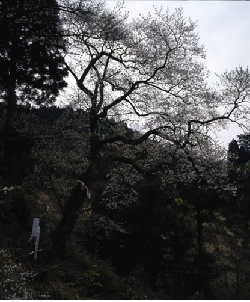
(233, 152)
(244, 141)
(31, 65)
(239, 150)
(32, 68)
(244, 148)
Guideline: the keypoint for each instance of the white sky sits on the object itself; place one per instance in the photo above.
(223, 27)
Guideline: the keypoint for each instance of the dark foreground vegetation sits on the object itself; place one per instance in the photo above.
(135, 199)
(145, 241)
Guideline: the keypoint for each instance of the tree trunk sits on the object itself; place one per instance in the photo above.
(61, 235)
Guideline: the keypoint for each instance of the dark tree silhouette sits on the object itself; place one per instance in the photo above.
(32, 68)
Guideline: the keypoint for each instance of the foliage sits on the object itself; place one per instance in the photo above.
(61, 154)
(15, 278)
(30, 51)
(145, 230)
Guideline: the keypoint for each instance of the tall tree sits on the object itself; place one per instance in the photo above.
(151, 71)
(32, 69)
(31, 65)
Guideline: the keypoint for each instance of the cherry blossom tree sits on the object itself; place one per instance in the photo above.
(146, 72)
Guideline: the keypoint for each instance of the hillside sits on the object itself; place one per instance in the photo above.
(135, 238)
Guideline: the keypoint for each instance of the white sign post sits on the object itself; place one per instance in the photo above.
(36, 235)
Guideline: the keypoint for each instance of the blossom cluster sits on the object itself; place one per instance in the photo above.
(14, 278)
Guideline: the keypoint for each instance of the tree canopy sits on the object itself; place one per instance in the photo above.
(148, 71)
(32, 67)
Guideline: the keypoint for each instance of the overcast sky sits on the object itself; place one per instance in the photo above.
(223, 27)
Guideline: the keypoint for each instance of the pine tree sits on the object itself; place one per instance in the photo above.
(32, 70)
(31, 65)
(244, 148)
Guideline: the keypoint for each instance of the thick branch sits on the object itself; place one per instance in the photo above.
(91, 65)
(134, 142)
(79, 83)
(102, 85)
(94, 60)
